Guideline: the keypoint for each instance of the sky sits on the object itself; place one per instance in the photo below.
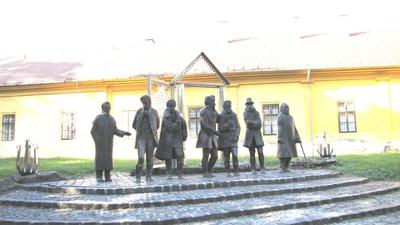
(159, 36)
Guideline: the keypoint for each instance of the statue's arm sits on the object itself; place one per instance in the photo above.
(204, 125)
(134, 124)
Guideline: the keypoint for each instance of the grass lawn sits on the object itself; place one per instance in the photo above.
(374, 166)
(380, 166)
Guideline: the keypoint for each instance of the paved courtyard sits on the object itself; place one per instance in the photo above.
(314, 196)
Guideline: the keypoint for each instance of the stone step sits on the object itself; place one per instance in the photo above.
(374, 210)
(83, 201)
(125, 184)
(387, 218)
(354, 200)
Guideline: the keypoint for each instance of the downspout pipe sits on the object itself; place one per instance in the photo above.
(310, 120)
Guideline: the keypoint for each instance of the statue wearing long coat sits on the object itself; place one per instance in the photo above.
(173, 134)
(287, 136)
(208, 132)
(154, 125)
(253, 125)
(229, 128)
(103, 131)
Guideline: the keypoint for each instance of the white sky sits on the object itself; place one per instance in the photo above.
(110, 36)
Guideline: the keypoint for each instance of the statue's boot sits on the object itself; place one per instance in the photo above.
(168, 166)
(227, 168)
(138, 172)
(253, 164)
(99, 176)
(107, 174)
(179, 166)
(287, 164)
(235, 168)
(261, 160)
(149, 172)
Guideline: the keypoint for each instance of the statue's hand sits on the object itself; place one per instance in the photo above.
(128, 134)
(297, 141)
(280, 142)
(235, 138)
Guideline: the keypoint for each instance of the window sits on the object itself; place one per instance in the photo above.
(194, 121)
(270, 113)
(67, 125)
(347, 117)
(8, 127)
(126, 123)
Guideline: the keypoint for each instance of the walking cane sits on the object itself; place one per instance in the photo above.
(301, 145)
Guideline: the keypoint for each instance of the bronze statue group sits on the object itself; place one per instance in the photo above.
(211, 138)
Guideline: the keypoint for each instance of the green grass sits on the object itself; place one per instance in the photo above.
(380, 166)
(374, 166)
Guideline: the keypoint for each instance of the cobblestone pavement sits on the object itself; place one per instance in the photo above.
(298, 197)
(32, 198)
(388, 219)
(179, 213)
(323, 214)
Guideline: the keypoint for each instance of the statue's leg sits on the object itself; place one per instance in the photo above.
(252, 151)
(107, 174)
(287, 163)
(179, 165)
(227, 155)
(213, 160)
(139, 165)
(204, 161)
(261, 157)
(168, 166)
(282, 162)
(149, 160)
(234, 151)
(99, 176)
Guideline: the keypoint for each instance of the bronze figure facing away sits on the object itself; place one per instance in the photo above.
(229, 128)
(103, 131)
(173, 134)
(207, 139)
(146, 123)
(253, 139)
(287, 137)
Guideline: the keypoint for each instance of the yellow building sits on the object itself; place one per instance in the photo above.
(357, 108)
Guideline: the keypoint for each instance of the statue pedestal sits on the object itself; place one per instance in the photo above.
(39, 177)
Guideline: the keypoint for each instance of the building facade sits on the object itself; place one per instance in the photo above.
(356, 109)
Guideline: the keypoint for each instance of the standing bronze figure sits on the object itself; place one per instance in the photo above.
(253, 137)
(229, 128)
(207, 138)
(287, 137)
(103, 131)
(146, 123)
(173, 134)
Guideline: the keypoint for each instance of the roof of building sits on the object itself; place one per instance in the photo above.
(52, 46)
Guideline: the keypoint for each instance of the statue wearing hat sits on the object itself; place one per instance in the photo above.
(287, 137)
(253, 139)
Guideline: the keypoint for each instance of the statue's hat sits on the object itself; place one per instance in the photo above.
(249, 101)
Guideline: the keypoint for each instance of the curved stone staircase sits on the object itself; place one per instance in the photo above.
(298, 197)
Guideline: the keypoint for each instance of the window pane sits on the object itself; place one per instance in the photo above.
(192, 113)
(350, 107)
(350, 117)
(67, 125)
(342, 117)
(275, 109)
(343, 127)
(274, 129)
(192, 128)
(267, 110)
(341, 107)
(352, 127)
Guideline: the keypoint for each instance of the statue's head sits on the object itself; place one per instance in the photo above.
(171, 104)
(284, 108)
(210, 101)
(228, 106)
(249, 104)
(106, 107)
(146, 101)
